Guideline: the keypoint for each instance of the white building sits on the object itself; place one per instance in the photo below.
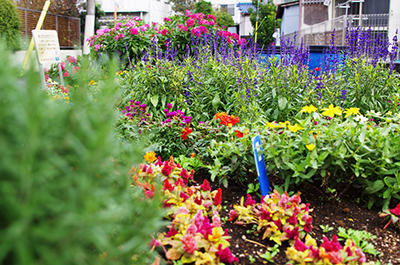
(148, 10)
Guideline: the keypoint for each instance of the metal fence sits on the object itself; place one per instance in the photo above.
(321, 34)
(68, 28)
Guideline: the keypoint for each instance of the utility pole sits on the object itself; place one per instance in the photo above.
(89, 24)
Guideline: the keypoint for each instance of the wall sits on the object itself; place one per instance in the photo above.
(245, 26)
(148, 10)
(394, 19)
(290, 19)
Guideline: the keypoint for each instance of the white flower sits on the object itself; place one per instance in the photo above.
(360, 118)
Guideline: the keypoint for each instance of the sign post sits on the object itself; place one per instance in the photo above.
(47, 50)
(260, 166)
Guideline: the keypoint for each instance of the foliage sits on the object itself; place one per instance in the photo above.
(224, 19)
(10, 24)
(353, 149)
(191, 236)
(180, 6)
(60, 7)
(266, 21)
(203, 7)
(278, 217)
(360, 238)
(65, 194)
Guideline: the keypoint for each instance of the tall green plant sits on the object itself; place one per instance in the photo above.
(65, 193)
(10, 24)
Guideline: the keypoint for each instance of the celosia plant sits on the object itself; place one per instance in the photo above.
(279, 217)
(329, 252)
(394, 215)
(195, 234)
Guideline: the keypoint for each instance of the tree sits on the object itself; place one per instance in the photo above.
(60, 7)
(266, 21)
(224, 19)
(180, 6)
(204, 7)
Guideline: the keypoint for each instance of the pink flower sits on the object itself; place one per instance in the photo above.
(143, 28)
(292, 220)
(189, 23)
(76, 69)
(284, 199)
(63, 66)
(66, 74)
(203, 22)
(189, 243)
(196, 32)
(134, 31)
(167, 19)
(96, 47)
(182, 27)
(46, 76)
(203, 29)
(299, 245)
(396, 211)
(181, 210)
(183, 196)
(211, 16)
(226, 255)
(232, 215)
(199, 218)
(216, 221)
(361, 254)
(172, 232)
(188, 13)
(164, 32)
(72, 59)
(292, 233)
(211, 23)
(331, 246)
(265, 215)
(166, 170)
(249, 201)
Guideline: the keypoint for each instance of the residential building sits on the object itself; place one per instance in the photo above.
(314, 20)
(148, 10)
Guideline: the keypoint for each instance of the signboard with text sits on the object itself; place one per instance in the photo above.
(47, 46)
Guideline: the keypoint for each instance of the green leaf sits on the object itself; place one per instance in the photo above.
(375, 187)
(154, 100)
(361, 137)
(282, 102)
(216, 101)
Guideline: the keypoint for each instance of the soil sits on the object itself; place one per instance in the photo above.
(345, 212)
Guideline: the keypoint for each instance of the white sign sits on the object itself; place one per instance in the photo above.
(47, 46)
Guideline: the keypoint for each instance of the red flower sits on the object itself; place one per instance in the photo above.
(185, 132)
(396, 211)
(239, 134)
(205, 186)
(218, 197)
(249, 201)
(168, 186)
(317, 69)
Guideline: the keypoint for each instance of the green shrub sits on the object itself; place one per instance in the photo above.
(65, 193)
(10, 24)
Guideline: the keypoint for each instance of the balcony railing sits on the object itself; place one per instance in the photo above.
(321, 34)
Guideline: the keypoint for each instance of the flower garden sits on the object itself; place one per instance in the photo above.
(188, 99)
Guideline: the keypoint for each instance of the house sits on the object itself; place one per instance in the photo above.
(148, 10)
(314, 20)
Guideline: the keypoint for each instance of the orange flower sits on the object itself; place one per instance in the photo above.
(185, 132)
(239, 134)
(227, 120)
(192, 155)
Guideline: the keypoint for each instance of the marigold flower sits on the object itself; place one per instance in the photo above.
(309, 109)
(150, 157)
(331, 111)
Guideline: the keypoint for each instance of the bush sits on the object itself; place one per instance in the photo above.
(10, 24)
(65, 194)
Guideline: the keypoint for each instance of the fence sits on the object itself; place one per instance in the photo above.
(68, 28)
(320, 34)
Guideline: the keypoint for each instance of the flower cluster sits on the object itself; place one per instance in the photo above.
(68, 67)
(195, 233)
(227, 120)
(329, 252)
(137, 112)
(279, 217)
(177, 115)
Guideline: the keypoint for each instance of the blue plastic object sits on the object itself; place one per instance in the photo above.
(260, 166)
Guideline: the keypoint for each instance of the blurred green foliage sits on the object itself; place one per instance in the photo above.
(65, 194)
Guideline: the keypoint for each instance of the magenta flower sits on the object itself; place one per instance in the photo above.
(66, 74)
(188, 13)
(167, 19)
(299, 245)
(249, 201)
(226, 255)
(134, 31)
(190, 23)
(169, 106)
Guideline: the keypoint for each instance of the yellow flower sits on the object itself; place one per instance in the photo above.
(295, 128)
(389, 113)
(273, 125)
(203, 258)
(66, 98)
(310, 241)
(352, 111)
(92, 82)
(150, 157)
(309, 109)
(284, 124)
(310, 146)
(331, 111)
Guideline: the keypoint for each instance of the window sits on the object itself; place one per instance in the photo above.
(230, 9)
